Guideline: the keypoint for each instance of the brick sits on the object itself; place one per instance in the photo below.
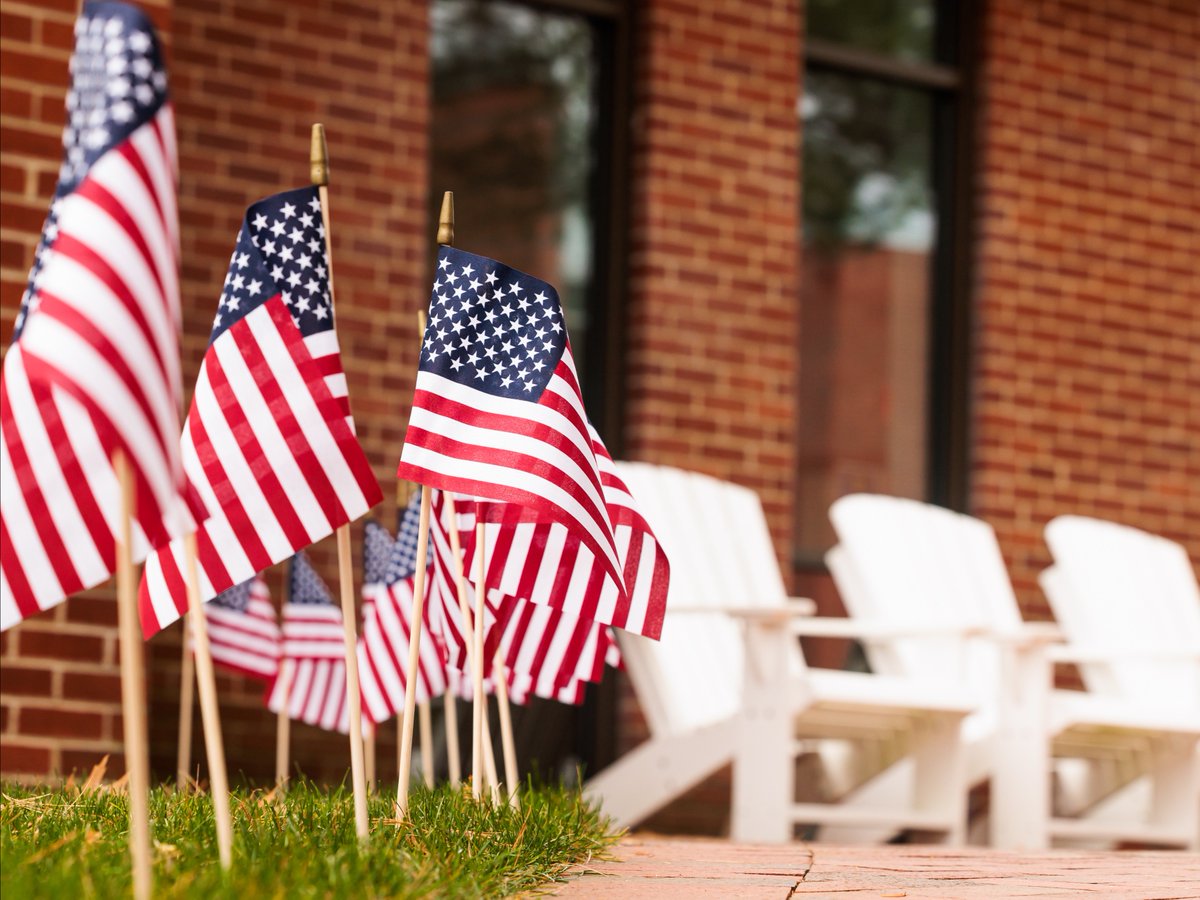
(21, 758)
(26, 681)
(92, 686)
(59, 722)
(38, 644)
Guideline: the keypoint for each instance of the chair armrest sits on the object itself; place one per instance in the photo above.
(1074, 653)
(795, 607)
(866, 628)
(1028, 635)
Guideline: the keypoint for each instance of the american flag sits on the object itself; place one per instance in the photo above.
(243, 630)
(497, 411)
(269, 440)
(314, 651)
(387, 615)
(546, 564)
(94, 364)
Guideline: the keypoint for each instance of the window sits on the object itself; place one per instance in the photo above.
(527, 98)
(883, 329)
(524, 97)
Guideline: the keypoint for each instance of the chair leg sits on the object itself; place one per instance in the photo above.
(1175, 792)
(763, 772)
(1021, 787)
(940, 774)
(764, 766)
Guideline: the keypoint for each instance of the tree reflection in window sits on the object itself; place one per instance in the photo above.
(866, 162)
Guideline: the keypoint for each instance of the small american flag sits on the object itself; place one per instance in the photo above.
(314, 650)
(497, 411)
(94, 366)
(387, 617)
(547, 564)
(269, 440)
(243, 630)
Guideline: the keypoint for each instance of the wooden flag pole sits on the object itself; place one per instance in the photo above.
(425, 715)
(452, 758)
(319, 169)
(283, 726)
(210, 716)
(491, 776)
(187, 685)
(468, 619)
(358, 773)
(477, 666)
(133, 690)
(414, 660)
(507, 743)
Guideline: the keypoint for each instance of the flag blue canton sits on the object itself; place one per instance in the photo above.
(236, 598)
(377, 552)
(404, 552)
(492, 328)
(280, 250)
(117, 85)
(305, 585)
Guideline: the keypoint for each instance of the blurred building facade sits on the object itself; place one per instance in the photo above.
(945, 250)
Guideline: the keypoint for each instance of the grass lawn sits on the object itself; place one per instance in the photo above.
(71, 843)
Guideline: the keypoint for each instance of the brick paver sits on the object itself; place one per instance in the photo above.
(667, 868)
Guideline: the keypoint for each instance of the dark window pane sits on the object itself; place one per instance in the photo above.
(513, 136)
(869, 230)
(900, 28)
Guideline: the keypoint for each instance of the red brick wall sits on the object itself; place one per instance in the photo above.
(248, 83)
(714, 267)
(713, 248)
(1087, 391)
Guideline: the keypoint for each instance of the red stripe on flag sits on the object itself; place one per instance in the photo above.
(22, 592)
(81, 493)
(256, 460)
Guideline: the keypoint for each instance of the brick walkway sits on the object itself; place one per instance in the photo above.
(668, 868)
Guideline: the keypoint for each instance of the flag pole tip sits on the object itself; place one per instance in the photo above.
(318, 157)
(445, 232)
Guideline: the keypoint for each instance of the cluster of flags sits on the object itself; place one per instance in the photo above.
(268, 461)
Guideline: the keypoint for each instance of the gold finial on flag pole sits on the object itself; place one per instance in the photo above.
(318, 157)
(445, 232)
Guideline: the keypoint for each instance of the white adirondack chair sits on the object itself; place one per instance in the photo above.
(728, 684)
(1132, 601)
(903, 561)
